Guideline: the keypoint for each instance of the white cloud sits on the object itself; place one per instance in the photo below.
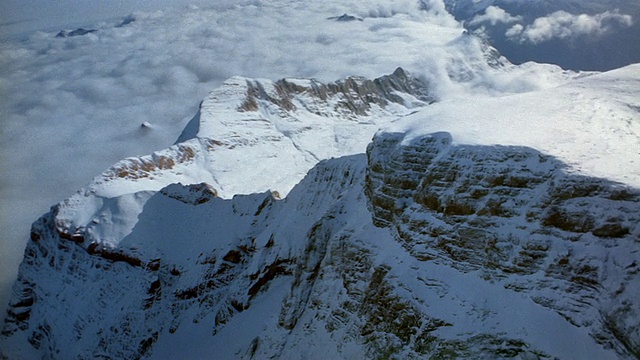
(494, 15)
(514, 31)
(561, 25)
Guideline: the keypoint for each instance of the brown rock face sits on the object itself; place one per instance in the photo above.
(355, 95)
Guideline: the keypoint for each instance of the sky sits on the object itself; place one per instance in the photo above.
(587, 35)
(71, 107)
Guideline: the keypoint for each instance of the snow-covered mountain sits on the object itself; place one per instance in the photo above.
(482, 227)
(79, 100)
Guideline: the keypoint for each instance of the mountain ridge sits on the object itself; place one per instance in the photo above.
(423, 246)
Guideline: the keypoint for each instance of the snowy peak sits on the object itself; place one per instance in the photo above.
(253, 122)
(349, 98)
(290, 106)
(236, 145)
(590, 123)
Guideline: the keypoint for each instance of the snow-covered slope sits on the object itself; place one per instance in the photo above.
(591, 123)
(249, 136)
(472, 228)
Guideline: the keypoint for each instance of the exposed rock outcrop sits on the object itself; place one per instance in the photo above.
(351, 98)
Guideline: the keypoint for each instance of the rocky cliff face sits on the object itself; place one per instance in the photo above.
(420, 248)
(516, 216)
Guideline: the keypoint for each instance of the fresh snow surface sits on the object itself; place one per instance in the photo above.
(592, 123)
